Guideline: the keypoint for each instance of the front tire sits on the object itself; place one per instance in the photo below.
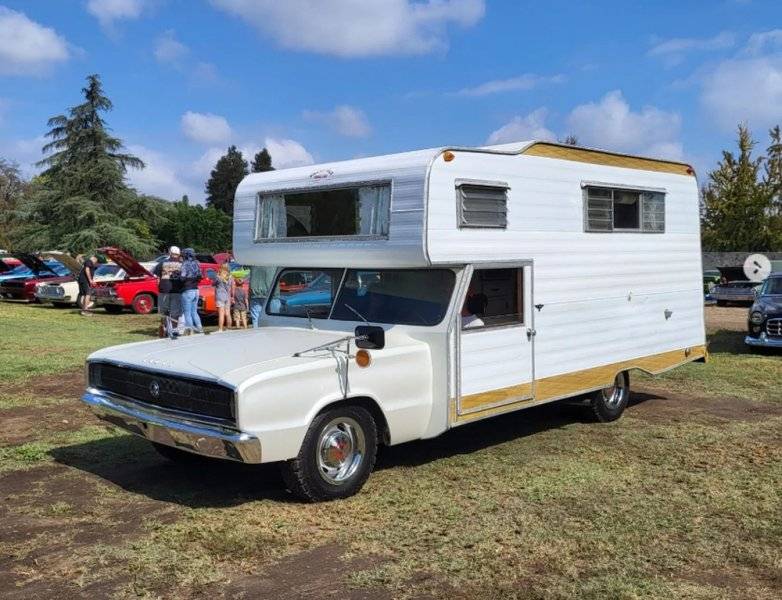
(336, 457)
(609, 403)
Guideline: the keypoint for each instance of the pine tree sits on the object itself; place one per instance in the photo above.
(230, 169)
(736, 204)
(262, 162)
(81, 200)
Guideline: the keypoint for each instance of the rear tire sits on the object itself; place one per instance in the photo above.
(113, 309)
(143, 304)
(336, 457)
(609, 403)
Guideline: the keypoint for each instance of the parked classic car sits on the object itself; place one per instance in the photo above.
(765, 315)
(21, 285)
(738, 292)
(65, 293)
(7, 263)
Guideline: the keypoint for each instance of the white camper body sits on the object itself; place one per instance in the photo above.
(594, 302)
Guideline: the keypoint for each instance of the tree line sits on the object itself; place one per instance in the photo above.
(81, 199)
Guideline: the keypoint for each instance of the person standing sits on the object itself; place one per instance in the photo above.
(224, 293)
(86, 283)
(191, 276)
(240, 304)
(169, 271)
(261, 281)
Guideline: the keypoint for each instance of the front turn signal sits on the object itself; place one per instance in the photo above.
(363, 358)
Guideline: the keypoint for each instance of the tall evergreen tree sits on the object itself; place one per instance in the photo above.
(12, 189)
(262, 162)
(230, 169)
(737, 204)
(81, 200)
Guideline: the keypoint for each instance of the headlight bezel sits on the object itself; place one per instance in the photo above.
(756, 317)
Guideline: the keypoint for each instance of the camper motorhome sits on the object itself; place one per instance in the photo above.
(432, 289)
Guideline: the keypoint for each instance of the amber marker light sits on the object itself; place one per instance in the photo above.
(448, 156)
(363, 359)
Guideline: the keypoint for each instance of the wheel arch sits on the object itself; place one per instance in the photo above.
(369, 404)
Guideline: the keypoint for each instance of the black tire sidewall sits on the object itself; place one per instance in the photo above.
(602, 411)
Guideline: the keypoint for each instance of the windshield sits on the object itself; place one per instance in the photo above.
(390, 296)
(107, 270)
(772, 287)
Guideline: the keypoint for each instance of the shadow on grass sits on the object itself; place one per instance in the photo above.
(728, 342)
(133, 465)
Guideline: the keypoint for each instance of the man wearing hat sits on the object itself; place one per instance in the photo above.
(169, 299)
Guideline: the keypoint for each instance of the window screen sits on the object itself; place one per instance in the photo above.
(482, 205)
(609, 209)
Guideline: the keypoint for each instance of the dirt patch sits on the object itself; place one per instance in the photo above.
(661, 406)
(731, 318)
(69, 384)
(50, 516)
(317, 573)
(23, 424)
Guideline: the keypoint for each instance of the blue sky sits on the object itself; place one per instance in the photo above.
(320, 80)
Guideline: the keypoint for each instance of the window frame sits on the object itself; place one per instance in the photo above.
(460, 220)
(585, 187)
(347, 185)
(519, 268)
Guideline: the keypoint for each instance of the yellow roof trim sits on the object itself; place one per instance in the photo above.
(599, 157)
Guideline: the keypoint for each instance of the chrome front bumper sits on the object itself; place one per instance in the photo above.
(763, 341)
(199, 438)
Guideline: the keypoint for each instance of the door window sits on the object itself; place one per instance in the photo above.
(494, 299)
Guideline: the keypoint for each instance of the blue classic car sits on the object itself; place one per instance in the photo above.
(765, 315)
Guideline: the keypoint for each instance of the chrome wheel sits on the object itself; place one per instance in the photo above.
(341, 449)
(614, 395)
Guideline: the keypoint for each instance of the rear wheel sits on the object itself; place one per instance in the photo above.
(336, 457)
(609, 403)
(113, 309)
(143, 304)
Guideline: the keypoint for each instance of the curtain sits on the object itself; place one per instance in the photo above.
(272, 220)
(653, 211)
(374, 209)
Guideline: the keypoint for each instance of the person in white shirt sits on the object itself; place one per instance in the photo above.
(472, 304)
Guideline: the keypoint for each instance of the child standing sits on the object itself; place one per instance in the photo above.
(223, 293)
(240, 304)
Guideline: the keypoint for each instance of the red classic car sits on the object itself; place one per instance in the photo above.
(39, 271)
(139, 289)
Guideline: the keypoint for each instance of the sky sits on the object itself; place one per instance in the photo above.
(322, 80)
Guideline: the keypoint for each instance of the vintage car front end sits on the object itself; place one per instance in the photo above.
(764, 322)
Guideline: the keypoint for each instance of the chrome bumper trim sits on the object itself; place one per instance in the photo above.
(192, 437)
(763, 342)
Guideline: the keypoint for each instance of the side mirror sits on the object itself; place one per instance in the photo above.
(370, 337)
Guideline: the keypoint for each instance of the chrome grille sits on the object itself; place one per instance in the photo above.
(774, 327)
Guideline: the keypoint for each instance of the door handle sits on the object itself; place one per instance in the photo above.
(531, 333)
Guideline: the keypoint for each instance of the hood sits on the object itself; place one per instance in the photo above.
(769, 304)
(218, 356)
(65, 259)
(35, 264)
(129, 264)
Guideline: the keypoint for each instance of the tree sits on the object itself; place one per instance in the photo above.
(203, 229)
(737, 205)
(12, 189)
(230, 169)
(262, 162)
(81, 201)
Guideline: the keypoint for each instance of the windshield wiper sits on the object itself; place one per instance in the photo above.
(355, 312)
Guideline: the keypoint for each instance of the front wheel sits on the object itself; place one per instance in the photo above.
(336, 457)
(609, 403)
(143, 304)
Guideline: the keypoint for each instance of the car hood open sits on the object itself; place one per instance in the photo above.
(66, 259)
(130, 265)
(35, 264)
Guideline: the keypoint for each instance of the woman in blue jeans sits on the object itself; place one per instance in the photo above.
(191, 275)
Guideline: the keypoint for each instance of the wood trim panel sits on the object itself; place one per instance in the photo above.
(569, 384)
(599, 157)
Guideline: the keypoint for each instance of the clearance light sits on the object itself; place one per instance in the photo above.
(448, 156)
(363, 359)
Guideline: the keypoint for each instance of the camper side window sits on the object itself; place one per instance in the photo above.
(482, 205)
(494, 299)
(612, 209)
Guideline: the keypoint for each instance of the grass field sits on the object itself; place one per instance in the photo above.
(678, 499)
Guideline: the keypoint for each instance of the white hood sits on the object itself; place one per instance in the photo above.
(218, 355)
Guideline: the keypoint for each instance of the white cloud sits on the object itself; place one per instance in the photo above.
(345, 120)
(108, 11)
(26, 152)
(287, 153)
(355, 28)
(206, 128)
(672, 51)
(27, 47)
(612, 125)
(748, 87)
(524, 82)
(529, 127)
(169, 50)
(161, 177)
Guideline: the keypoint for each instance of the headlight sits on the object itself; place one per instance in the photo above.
(756, 317)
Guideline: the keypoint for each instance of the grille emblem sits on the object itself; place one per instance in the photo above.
(154, 389)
